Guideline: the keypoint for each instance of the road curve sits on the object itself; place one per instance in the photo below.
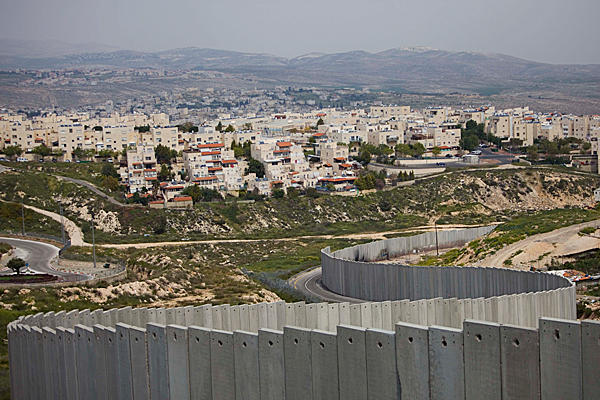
(39, 255)
(309, 283)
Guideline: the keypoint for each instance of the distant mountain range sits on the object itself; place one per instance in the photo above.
(413, 71)
(409, 68)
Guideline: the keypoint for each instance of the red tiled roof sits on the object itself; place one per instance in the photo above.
(229, 162)
(340, 158)
(340, 179)
(151, 178)
(319, 134)
(276, 182)
(210, 146)
(150, 170)
(174, 187)
(156, 202)
(183, 198)
(205, 178)
(346, 165)
(210, 153)
(284, 144)
(215, 169)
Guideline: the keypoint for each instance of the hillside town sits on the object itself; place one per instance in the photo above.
(326, 150)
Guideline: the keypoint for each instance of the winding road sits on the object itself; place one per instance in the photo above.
(309, 283)
(39, 255)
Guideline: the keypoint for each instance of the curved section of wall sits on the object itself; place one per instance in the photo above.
(353, 272)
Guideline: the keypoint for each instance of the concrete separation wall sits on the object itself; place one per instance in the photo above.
(99, 355)
(491, 294)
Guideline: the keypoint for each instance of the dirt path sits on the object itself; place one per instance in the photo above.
(369, 235)
(75, 233)
(539, 249)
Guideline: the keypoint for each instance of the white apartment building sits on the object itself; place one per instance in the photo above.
(141, 168)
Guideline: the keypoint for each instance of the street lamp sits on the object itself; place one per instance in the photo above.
(437, 248)
(93, 241)
(22, 218)
(62, 223)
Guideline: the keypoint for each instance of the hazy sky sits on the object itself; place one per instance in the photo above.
(557, 31)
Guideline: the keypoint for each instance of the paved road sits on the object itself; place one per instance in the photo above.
(94, 189)
(559, 242)
(39, 256)
(309, 283)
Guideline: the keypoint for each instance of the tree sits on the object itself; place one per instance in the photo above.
(81, 153)
(164, 155)
(200, 194)
(320, 122)
(109, 170)
(312, 192)
(159, 224)
(256, 167)
(471, 125)
(219, 127)
(585, 147)
(106, 153)
(143, 128)
(364, 156)
(111, 183)
(436, 151)
(278, 193)
(469, 142)
(42, 151)
(230, 128)
(187, 127)
(532, 153)
(247, 126)
(366, 181)
(418, 149)
(13, 151)
(403, 149)
(97, 128)
(293, 193)
(16, 264)
(165, 173)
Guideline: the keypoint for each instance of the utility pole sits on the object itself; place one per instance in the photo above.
(93, 241)
(22, 218)
(437, 248)
(62, 223)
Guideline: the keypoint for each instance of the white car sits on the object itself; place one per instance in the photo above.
(22, 159)
(476, 152)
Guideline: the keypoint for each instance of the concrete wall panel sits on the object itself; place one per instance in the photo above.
(382, 380)
(412, 358)
(247, 381)
(352, 362)
(200, 361)
(482, 360)
(446, 366)
(324, 359)
(560, 359)
(298, 363)
(271, 364)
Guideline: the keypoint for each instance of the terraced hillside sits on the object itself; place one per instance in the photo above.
(465, 197)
